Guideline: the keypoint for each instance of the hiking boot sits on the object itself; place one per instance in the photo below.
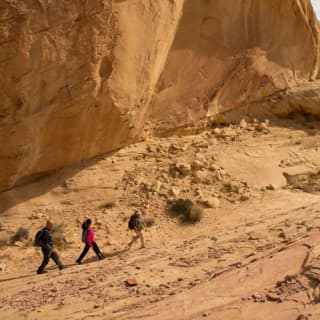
(41, 271)
(61, 267)
(102, 257)
(78, 261)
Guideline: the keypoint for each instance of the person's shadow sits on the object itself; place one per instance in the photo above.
(107, 256)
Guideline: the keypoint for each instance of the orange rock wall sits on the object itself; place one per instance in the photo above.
(80, 78)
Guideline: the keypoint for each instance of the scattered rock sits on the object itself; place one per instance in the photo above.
(270, 187)
(262, 127)
(273, 297)
(244, 197)
(243, 124)
(131, 282)
(210, 202)
(259, 297)
(19, 244)
(197, 165)
(214, 167)
(183, 168)
(174, 191)
(3, 267)
(217, 131)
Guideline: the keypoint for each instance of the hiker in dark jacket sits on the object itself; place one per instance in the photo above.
(136, 225)
(88, 239)
(47, 249)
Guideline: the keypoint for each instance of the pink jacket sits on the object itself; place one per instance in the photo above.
(90, 236)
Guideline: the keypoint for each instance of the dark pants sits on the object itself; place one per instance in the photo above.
(95, 249)
(47, 254)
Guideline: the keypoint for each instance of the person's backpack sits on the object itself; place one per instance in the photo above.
(132, 222)
(84, 236)
(84, 232)
(38, 238)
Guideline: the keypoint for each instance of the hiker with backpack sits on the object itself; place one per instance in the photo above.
(135, 224)
(43, 239)
(88, 239)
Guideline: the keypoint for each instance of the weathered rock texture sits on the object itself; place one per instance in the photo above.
(80, 77)
(228, 54)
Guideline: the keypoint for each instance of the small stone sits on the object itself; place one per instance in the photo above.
(244, 197)
(158, 185)
(197, 165)
(262, 127)
(210, 202)
(259, 297)
(206, 314)
(214, 167)
(183, 168)
(217, 131)
(175, 192)
(131, 282)
(270, 187)
(243, 124)
(19, 244)
(3, 267)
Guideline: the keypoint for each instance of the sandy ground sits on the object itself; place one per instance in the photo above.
(253, 255)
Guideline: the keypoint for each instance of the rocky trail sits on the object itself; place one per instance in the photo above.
(253, 255)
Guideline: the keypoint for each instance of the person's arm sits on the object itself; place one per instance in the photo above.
(47, 239)
(90, 236)
(138, 225)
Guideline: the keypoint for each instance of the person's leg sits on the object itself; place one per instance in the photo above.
(141, 238)
(83, 253)
(55, 257)
(46, 256)
(97, 250)
(134, 239)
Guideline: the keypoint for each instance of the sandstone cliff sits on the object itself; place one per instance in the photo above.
(81, 77)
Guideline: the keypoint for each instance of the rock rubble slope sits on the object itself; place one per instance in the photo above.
(82, 78)
(254, 254)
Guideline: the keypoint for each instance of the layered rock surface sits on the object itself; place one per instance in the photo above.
(81, 78)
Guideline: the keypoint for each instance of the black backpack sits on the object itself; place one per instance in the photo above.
(132, 222)
(84, 232)
(38, 238)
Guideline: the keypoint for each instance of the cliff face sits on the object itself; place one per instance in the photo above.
(228, 53)
(76, 78)
(81, 77)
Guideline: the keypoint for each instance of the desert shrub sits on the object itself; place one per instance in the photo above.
(107, 205)
(20, 235)
(186, 211)
(148, 222)
(58, 236)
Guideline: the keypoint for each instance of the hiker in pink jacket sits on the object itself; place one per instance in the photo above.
(88, 239)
